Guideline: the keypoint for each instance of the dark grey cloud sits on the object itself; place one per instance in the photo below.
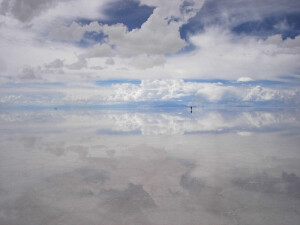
(29, 73)
(4, 7)
(81, 63)
(96, 67)
(29, 142)
(55, 64)
(109, 61)
(2, 66)
(26, 10)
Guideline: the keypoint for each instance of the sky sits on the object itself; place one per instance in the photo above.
(179, 52)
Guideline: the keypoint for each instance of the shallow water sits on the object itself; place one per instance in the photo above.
(112, 167)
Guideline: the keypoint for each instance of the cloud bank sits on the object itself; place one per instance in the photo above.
(153, 92)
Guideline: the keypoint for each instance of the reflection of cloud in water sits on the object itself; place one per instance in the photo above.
(285, 184)
(129, 201)
(118, 122)
(28, 209)
(81, 176)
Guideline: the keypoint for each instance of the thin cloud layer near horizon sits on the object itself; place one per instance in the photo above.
(57, 52)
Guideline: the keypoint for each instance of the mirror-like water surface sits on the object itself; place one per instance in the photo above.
(112, 167)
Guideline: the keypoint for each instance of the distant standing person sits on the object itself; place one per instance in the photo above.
(191, 109)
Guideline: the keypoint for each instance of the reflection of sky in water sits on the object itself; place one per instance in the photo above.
(120, 167)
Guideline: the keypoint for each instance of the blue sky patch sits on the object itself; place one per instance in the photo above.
(111, 82)
(233, 15)
(286, 25)
(127, 12)
(236, 83)
(90, 38)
